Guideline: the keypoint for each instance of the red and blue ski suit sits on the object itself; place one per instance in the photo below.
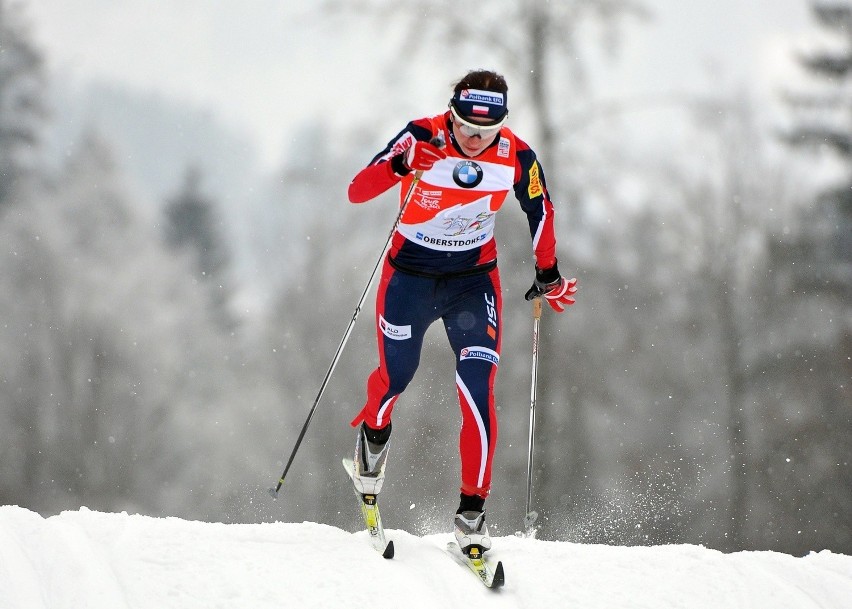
(443, 265)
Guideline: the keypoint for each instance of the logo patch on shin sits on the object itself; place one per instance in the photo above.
(484, 353)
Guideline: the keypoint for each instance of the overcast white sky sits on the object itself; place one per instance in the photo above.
(246, 62)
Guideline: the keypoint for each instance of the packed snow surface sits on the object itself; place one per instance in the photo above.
(91, 560)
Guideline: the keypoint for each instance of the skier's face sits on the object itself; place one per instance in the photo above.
(473, 142)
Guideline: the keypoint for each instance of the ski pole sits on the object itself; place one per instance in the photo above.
(437, 141)
(532, 516)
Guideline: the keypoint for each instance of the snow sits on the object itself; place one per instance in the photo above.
(92, 560)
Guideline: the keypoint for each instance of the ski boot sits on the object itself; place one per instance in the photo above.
(371, 453)
(471, 532)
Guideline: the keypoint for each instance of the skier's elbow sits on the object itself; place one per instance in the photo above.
(356, 194)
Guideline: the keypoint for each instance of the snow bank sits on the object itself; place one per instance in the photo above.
(91, 560)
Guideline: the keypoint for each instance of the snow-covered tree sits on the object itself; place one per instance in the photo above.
(22, 108)
(118, 381)
(813, 273)
(192, 226)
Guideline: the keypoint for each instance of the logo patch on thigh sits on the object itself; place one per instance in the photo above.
(489, 355)
(394, 332)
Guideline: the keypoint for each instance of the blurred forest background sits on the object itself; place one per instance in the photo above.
(168, 311)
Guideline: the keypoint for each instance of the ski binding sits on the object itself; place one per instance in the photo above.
(492, 577)
(372, 517)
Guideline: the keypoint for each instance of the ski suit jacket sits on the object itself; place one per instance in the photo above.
(447, 227)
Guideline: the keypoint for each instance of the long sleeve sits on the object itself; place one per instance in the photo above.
(372, 181)
(531, 192)
(386, 169)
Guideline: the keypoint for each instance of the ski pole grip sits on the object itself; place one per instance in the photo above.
(438, 141)
(537, 307)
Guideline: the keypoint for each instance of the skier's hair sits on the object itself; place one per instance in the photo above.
(485, 80)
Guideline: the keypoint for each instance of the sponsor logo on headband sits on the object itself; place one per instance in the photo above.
(481, 97)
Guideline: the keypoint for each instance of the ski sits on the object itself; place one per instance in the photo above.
(372, 517)
(492, 577)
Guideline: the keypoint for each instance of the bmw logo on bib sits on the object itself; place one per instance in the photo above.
(467, 174)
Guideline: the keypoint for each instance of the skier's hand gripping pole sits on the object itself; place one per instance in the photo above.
(558, 291)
